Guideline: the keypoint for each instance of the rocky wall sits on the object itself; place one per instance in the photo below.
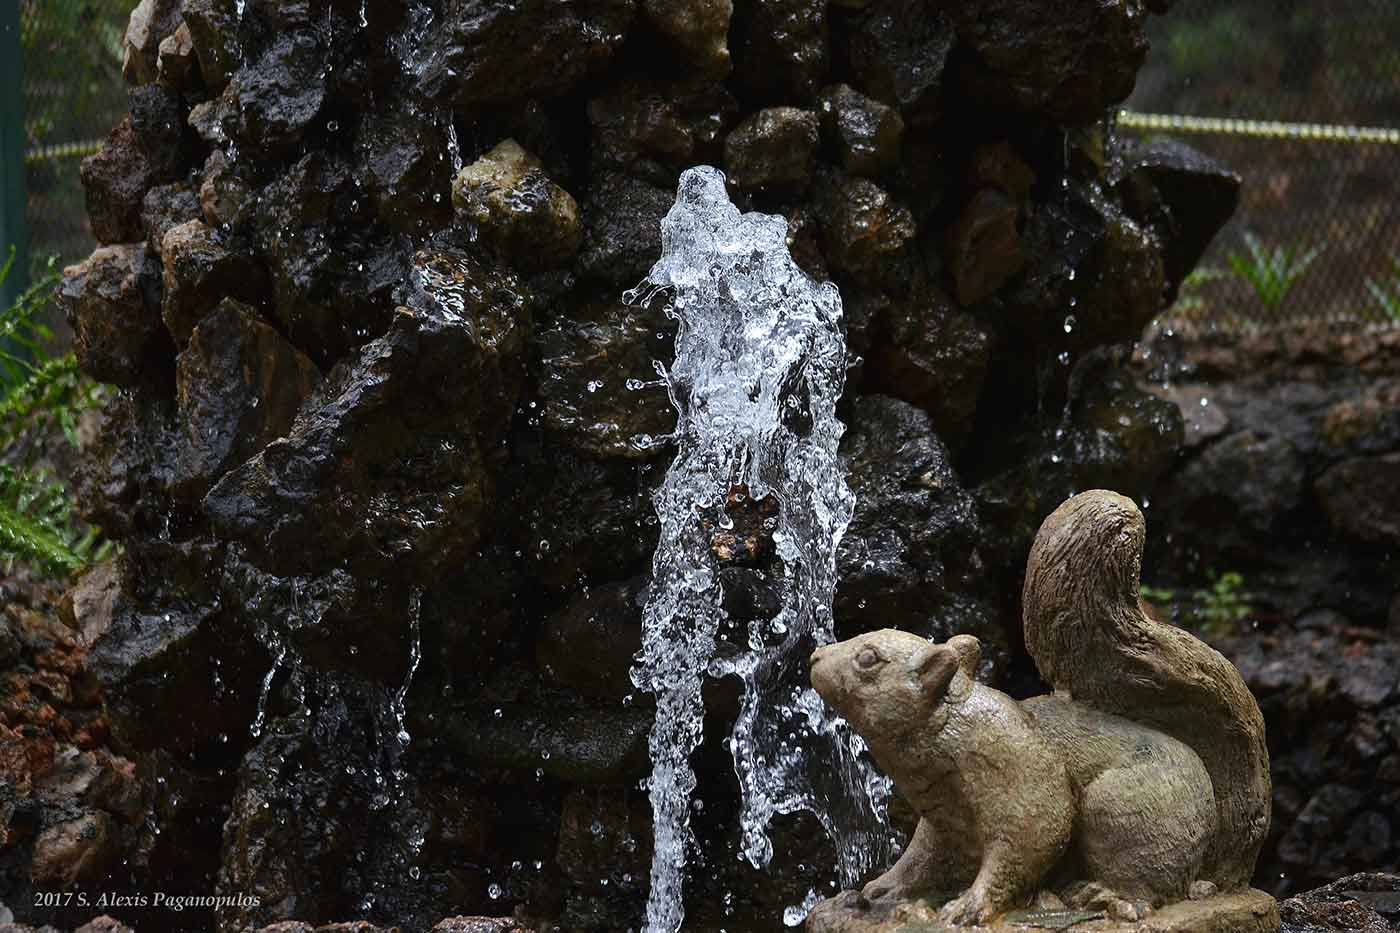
(1288, 477)
(381, 455)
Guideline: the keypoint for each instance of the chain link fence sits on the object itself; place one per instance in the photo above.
(1302, 99)
(73, 96)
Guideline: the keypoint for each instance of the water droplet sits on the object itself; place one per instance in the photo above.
(494, 891)
(1069, 323)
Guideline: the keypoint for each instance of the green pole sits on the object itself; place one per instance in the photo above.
(13, 235)
(12, 181)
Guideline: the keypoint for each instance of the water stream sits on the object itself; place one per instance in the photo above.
(760, 364)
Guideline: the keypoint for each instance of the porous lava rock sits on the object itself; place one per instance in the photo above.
(773, 148)
(112, 300)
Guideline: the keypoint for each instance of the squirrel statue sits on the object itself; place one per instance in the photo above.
(1141, 781)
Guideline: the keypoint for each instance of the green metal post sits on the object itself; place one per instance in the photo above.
(12, 180)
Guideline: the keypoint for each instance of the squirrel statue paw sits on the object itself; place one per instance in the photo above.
(973, 908)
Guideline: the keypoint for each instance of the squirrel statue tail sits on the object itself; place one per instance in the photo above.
(1090, 637)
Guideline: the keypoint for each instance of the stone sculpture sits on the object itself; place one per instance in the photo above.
(1136, 794)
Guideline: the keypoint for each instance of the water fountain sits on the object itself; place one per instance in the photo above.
(760, 364)
(335, 379)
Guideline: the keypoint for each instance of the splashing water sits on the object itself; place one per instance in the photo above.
(760, 364)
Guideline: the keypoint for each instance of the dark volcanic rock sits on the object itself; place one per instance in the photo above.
(158, 123)
(1360, 498)
(780, 48)
(1093, 274)
(169, 653)
(581, 519)
(164, 207)
(128, 467)
(402, 150)
(929, 353)
(898, 54)
(1326, 689)
(865, 133)
(653, 131)
(112, 299)
(1186, 196)
(1258, 478)
(177, 65)
(200, 270)
(1109, 435)
(477, 925)
(910, 556)
(115, 182)
(699, 28)
(588, 646)
(385, 462)
(238, 385)
(605, 853)
(573, 743)
(622, 228)
(481, 52)
(225, 194)
(334, 272)
(862, 225)
(1067, 63)
(984, 246)
(322, 814)
(597, 380)
(213, 28)
(773, 148)
(1363, 903)
(269, 103)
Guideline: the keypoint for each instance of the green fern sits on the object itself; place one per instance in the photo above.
(38, 526)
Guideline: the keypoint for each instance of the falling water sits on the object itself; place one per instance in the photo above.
(760, 364)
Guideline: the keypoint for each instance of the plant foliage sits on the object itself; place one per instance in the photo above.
(1271, 272)
(1387, 294)
(1216, 609)
(39, 392)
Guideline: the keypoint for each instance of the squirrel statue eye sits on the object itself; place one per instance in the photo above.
(867, 659)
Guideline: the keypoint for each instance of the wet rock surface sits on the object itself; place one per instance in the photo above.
(112, 300)
(1329, 698)
(514, 205)
(1302, 426)
(383, 455)
(238, 385)
(1365, 902)
(865, 132)
(774, 148)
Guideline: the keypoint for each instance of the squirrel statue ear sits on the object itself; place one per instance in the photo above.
(935, 666)
(969, 651)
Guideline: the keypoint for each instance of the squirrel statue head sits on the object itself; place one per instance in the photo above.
(889, 683)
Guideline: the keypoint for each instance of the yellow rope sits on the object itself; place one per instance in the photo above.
(1270, 129)
(62, 151)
